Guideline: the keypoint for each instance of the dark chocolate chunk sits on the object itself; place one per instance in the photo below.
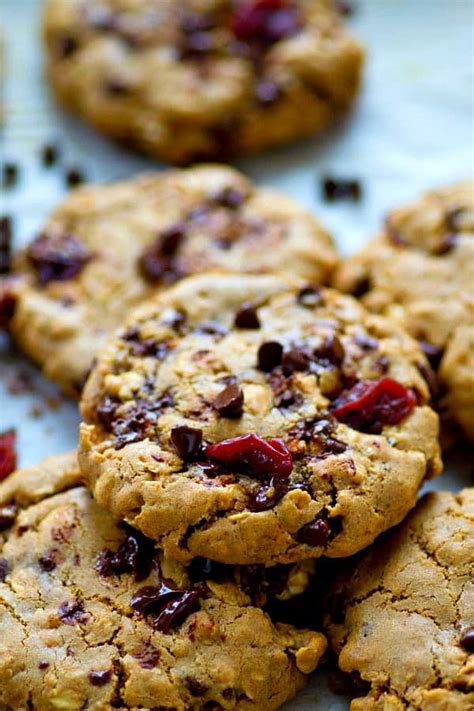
(100, 678)
(43, 665)
(47, 562)
(72, 613)
(8, 515)
(165, 606)
(74, 177)
(230, 402)
(49, 155)
(6, 234)
(9, 175)
(135, 555)
(195, 687)
(270, 355)
(467, 640)
(294, 360)
(247, 317)
(315, 534)
(57, 258)
(158, 261)
(148, 657)
(341, 189)
(187, 441)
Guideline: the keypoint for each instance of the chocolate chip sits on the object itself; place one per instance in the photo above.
(72, 613)
(247, 317)
(264, 498)
(270, 355)
(432, 352)
(47, 562)
(9, 175)
(135, 555)
(341, 189)
(7, 307)
(49, 155)
(8, 515)
(229, 197)
(361, 287)
(57, 258)
(187, 441)
(114, 86)
(6, 234)
(294, 360)
(211, 328)
(230, 402)
(267, 92)
(66, 46)
(315, 534)
(165, 606)
(330, 351)
(3, 569)
(195, 687)
(74, 177)
(100, 678)
(43, 665)
(310, 296)
(157, 261)
(148, 657)
(467, 640)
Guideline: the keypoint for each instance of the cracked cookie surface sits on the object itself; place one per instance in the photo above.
(234, 77)
(251, 419)
(420, 271)
(93, 617)
(403, 614)
(107, 248)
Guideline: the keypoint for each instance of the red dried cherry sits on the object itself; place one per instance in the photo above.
(7, 453)
(270, 456)
(265, 20)
(370, 405)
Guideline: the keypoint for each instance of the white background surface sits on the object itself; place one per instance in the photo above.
(412, 129)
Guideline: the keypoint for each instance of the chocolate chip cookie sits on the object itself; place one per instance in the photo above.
(92, 616)
(251, 419)
(402, 617)
(107, 248)
(420, 271)
(186, 80)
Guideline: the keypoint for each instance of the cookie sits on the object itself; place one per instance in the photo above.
(107, 248)
(402, 617)
(93, 617)
(286, 421)
(420, 271)
(186, 80)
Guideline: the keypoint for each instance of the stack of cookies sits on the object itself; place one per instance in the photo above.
(251, 406)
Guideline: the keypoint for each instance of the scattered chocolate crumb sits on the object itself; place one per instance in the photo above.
(6, 234)
(19, 382)
(341, 189)
(49, 155)
(100, 678)
(10, 172)
(74, 177)
(230, 402)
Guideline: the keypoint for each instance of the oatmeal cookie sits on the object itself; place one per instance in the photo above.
(420, 271)
(93, 617)
(251, 419)
(186, 80)
(402, 616)
(107, 248)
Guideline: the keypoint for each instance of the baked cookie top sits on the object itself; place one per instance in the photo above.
(250, 419)
(402, 615)
(187, 80)
(107, 248)
(93, 617)
(420, 271)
